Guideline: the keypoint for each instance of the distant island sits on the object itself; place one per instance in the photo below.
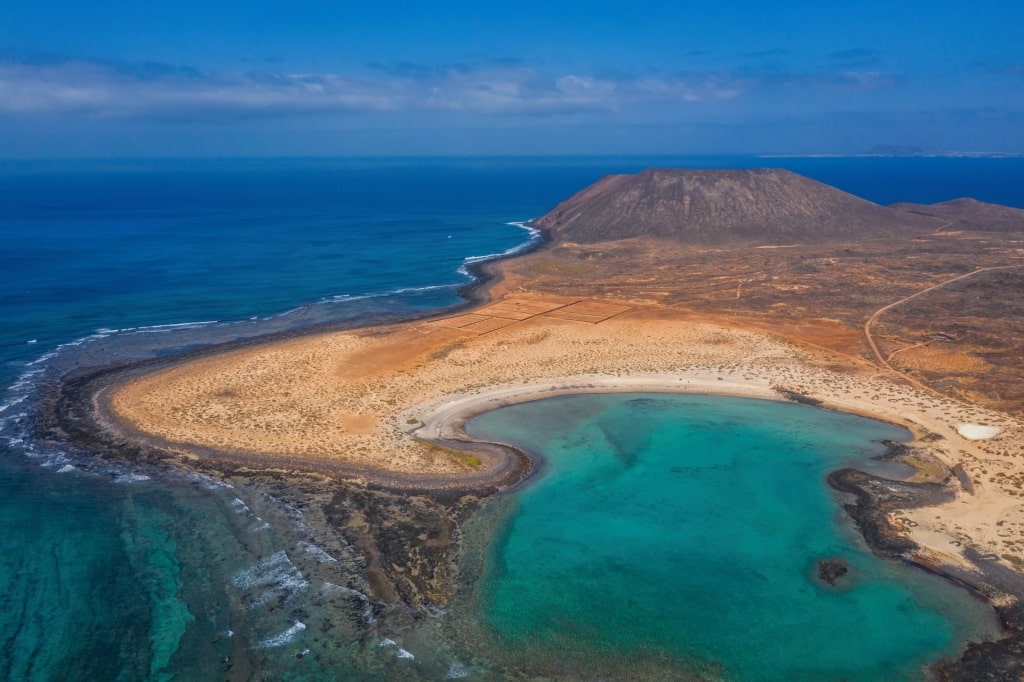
(902, 151)
(895, 150)
(757, 283)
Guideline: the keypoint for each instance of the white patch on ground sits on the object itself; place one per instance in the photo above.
(977, 431)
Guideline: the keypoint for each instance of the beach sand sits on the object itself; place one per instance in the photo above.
(388, 401)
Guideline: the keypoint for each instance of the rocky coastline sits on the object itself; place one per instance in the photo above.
(873, 499)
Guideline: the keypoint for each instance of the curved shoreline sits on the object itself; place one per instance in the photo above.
(875, 498)
(82, 411)
(79, 404)
(915, 494)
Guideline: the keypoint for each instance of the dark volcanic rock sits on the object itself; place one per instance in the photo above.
(831, 570)
(1002, 660)
(970, 214)
(998, 661)
(761, 206)
(875, 497)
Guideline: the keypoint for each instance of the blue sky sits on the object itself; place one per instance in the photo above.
(189, 78)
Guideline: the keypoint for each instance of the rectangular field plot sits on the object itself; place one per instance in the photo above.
(461, 321)
(489, 325)
(521, 310)
(508, 312)
(590, 311)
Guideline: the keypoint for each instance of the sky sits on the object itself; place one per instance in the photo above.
(125, 78)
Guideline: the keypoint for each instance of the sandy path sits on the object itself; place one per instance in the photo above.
(884, 362)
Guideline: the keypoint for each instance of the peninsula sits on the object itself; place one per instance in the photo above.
(757, 283)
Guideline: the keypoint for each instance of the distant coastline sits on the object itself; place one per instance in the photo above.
(883, 155)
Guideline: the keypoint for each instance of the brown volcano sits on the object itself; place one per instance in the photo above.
(761, 206)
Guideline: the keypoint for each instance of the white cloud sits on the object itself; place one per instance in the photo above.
(110, 90)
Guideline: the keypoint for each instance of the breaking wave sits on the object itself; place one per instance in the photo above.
(283, 638)
(272, 578)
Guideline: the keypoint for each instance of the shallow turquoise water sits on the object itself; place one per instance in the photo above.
(682, 533)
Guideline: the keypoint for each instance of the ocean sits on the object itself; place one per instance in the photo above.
(112, 573)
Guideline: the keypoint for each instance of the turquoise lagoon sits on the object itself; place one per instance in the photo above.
(677, 536)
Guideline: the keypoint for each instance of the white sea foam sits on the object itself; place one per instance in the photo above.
(130, 478)
(35, 371)
(49, 355)
(294, 514)
(49, 460)
(107, 332)
(342, 298)
(285, 313)
(177, 325)
(287, 636)
(239, 506)
(456, 671)
(411, 290)
(316, 552)
(399, 651)
(535, 235)
(207, 482)
(11, 402)
(274, 577)
(522, 224)
(22, 387)
(292, 511)
(67, 468)
(44, 357)
(104, 331)
(349, 592)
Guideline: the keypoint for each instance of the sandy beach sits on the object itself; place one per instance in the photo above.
(389, 402)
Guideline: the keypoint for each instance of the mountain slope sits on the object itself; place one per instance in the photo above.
(765, 206)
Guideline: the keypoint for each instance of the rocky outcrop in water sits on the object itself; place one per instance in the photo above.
(830, 571)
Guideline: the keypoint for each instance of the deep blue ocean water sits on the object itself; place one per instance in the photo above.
(111, 576)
